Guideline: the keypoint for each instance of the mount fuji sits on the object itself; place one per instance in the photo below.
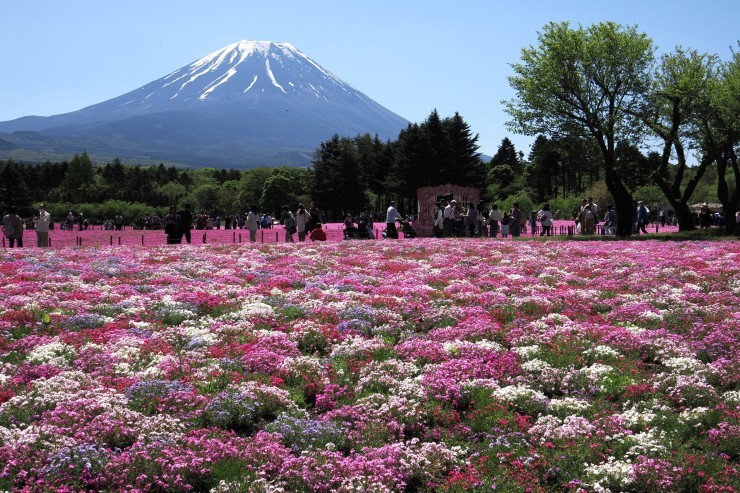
(251, 103)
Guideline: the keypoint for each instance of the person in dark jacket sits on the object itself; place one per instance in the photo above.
(13, 228)
(186, 223)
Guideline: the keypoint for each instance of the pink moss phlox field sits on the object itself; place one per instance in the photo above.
(412, 365)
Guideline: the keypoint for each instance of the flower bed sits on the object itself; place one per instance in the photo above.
(426, 365)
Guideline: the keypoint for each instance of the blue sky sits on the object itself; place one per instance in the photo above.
(411, 57)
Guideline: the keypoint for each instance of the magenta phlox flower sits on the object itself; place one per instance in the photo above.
(383, 366)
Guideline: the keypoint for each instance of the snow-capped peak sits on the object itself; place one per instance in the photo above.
(254, 67)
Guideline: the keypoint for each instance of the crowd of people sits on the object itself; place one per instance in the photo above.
(304, 223)
(477, 220)
(450, 219)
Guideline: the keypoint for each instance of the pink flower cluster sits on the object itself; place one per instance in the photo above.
(416, 365)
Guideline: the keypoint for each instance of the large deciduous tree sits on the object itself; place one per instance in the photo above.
(678, 100)
(585, 82)
(720, 136)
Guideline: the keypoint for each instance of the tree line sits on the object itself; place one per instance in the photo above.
(348, 175)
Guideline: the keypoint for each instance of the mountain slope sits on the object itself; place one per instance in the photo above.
(251, 103)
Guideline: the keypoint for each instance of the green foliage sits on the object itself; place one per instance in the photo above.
(585, 82)
(337, 186)
(13, 190)
(652, 196)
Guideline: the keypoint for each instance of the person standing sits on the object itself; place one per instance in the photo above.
(610, 220)
(253, 223)
(545, 218)
(302, 220)
(370, 224)
(13, 228)
(494, 217)
(391, 217)
(515, 220)
(641, 217)
(315, 216)
(70, 221)
(438, 217)
(705, 216)
(587, 218)
(186, 222)
(290, 224)
(505, 225)
(481, 228)
(42, 227)
(172, 227)
(471, 219)
(449, 219)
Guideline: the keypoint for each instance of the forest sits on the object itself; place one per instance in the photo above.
(348, 175)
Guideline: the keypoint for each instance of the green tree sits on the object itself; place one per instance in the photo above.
(206, 197)
(506, 170)
(585, 82)
(13, 189)
(251, 184)
(285, 186)
(413, 164)
(337, 186)
(633, 165)
(278, 191)
(675, 104)
(437, 151)
(720, 136)
(375, 160)
(544, 168)
(465, 163)
(172, 192)
(79, 182)
(114, 179)
(229, 201)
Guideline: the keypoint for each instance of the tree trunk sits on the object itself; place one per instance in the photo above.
(729, 204)
(622, 202)
(686, 221)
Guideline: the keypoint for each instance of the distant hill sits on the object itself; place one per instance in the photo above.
(249, 104)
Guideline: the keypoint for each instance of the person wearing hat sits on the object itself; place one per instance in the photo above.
(705, 216)
(42, 227)
(642, 213)
(450, 216)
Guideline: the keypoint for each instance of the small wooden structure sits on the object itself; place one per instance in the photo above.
(428, 197)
